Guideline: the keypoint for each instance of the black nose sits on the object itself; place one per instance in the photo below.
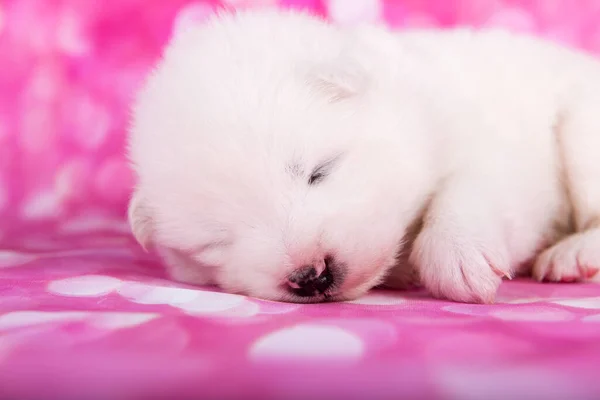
(305, 282)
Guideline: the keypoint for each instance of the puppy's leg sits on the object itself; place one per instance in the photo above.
(460, 253)
(577, 257)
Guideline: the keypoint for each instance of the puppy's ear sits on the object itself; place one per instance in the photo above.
(339, 80)
(140, 220)
(367, 58)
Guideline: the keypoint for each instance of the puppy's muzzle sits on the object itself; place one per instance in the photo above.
(308, 282)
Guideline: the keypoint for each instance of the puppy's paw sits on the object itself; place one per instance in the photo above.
(575, 258)
(459, 269)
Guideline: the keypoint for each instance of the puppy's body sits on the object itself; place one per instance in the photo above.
(269, 145)
(517, 162)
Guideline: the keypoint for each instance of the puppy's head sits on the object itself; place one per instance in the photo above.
(268, 153)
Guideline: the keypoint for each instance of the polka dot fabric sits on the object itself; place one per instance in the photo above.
(85, 314)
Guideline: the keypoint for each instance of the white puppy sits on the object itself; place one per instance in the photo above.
(285, 158)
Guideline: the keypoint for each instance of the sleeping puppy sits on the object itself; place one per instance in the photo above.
(285, 158)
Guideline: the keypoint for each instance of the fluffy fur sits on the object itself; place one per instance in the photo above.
(267, 141)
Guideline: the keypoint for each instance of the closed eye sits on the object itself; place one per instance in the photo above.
(316, 176)
(321, 171)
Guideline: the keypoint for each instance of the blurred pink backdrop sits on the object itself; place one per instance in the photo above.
(69, 69)
(86, 314)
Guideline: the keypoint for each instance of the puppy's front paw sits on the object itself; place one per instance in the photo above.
(459, 269)
(575, 258)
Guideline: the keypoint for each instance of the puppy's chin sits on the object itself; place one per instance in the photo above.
(280, 292)
(287, 297)
(182, 267)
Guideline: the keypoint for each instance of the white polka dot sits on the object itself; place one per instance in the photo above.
(92, 122)
(192, 301)
(245, 309)
(524, 300)
(72, 178)
(20, 319)
(465, 309)
(104, 320)
(587, 303)
(84, 286)
(144, 294)
(274, 307)
(10, 258)
(379, 299)
(42, 205)
(70, 36)
(44, 85)
(354, 11)
(120, 320)
(212, 302)
(309, 341)
(533, 315)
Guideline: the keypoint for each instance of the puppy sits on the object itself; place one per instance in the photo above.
(285, 158)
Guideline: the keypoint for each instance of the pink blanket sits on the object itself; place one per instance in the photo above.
(85, 314)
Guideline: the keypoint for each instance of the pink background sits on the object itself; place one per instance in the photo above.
(85, 314)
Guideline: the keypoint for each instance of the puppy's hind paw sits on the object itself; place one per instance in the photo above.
(575, 258)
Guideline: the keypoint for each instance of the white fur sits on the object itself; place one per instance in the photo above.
(486, 138)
